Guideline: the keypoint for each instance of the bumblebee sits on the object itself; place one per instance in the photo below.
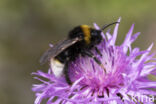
(80, 41)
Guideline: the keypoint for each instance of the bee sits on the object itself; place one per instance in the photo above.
(80, 41)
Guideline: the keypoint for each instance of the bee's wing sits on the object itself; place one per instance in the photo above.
(56, 49)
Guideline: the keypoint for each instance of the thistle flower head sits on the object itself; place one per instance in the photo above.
(122, 76)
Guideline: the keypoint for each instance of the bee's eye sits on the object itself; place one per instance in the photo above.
(95, 32)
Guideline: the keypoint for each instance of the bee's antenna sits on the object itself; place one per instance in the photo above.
(107, 25)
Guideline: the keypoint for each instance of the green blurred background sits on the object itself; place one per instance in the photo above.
(28, 26)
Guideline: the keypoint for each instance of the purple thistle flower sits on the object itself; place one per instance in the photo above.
(122, 81)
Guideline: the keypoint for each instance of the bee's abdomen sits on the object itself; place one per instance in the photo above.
(57, 67)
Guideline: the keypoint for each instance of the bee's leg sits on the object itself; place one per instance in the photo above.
(98, 51)
(90, 54)
(66, 73)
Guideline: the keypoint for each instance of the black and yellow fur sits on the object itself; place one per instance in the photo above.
(80, 41)
(90, 38)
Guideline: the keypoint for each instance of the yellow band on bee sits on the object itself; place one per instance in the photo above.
(86, 31)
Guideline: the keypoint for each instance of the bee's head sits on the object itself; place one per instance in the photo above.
(95, 36)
